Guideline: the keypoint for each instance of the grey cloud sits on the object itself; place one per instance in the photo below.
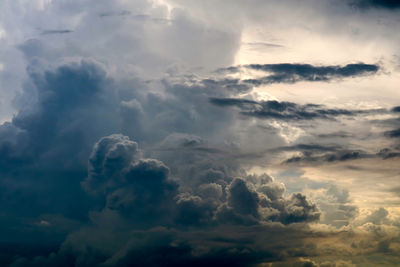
(241, 199)
(336, 207)
(231, 85)
(387, 153)
(210, 191)
(45, 147)
(131, 183)
(115, 13)
(393, 133)
(340, 134)
(292, 73)
(232, 102)
(140, 195)
(185, 198)
(135, 187)
(396, 109)
(195, 211)
(110, 157)
(246, 206)
(314, 73)
(299, 209)
(285, 110)
(146, 194)
(182, 140)
(309, 147)
(341, 155)
(378, 217)
(232, 245)
(179, 187)
(49, 32)
(387, 4)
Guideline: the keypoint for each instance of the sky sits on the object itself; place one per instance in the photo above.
(200, 133)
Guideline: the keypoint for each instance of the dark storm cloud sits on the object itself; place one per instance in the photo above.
(292, 73)
(44, 149)
(232, 102)
(122, 172)
(46, 146)
(341, 155)
(329, 157)
(49, 32)
(396, 109)
(315, 73)
(309, 147)
(137, 188)
(228, 245)
(387, 4)
(285, 110)
(138, 195)
(393, 133)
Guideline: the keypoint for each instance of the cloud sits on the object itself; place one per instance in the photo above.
(393, 133)
(51, 138)
(110, 157)
(340, 155)
(387, 4)
(185, 181)
(285, 110)
(49, 32)
(293, 73)
(329, 157)
(310, 72)
(181, 193)
(138, 195)
(340, 134)
(309, 147)
(116, 13)
(261, 44)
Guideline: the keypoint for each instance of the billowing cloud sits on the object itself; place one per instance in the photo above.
(125, 140)
(138, 195)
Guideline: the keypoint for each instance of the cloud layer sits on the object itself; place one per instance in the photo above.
(125, 140)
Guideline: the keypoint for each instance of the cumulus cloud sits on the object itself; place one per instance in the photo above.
(76, 190)
(138, 195)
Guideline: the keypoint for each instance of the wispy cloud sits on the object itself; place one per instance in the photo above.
(286, 110)
(49, 32)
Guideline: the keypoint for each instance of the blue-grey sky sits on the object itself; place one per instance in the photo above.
(199, 133)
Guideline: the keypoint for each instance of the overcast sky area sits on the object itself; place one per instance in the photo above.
(200, 133)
